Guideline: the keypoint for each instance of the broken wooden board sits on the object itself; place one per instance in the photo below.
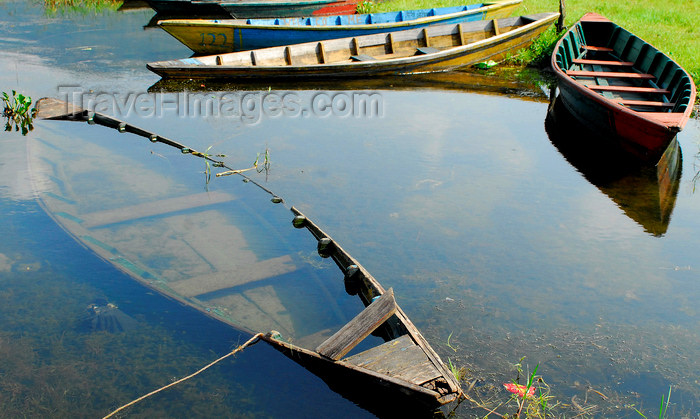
(360, 327)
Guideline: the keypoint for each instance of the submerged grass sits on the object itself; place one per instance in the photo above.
(671, 25)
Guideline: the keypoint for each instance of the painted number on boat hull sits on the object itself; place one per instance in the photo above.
(214, 39)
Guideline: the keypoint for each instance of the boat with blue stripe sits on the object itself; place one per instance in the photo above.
(228, 35)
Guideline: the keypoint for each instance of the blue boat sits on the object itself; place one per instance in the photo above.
(229, 35)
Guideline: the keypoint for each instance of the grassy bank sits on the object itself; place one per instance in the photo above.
(673, 26)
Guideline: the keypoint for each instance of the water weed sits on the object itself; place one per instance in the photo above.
(18, 112)
(663, 407)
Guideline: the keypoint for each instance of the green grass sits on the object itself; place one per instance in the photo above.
(673, 26)
(80, 6)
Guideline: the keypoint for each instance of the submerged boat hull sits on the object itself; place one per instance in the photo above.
(192, 247)
(222, 36)
(619, 84)
(431, 49)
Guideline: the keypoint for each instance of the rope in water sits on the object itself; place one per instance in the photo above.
(250, 341)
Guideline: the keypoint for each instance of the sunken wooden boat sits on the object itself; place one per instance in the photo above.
(404, 367)
(193, 247)
(645, 191)
(429, 49)
(252, 8)
(623, 86)
(227, 35)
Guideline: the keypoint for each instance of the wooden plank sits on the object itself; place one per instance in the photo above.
(288, 55)
(609, 74)
(460, 32)
(386, 349)
(628, 102)
(391, 361)
(245, 274)
(400, 358)
(358, 328)
(51, 108)
(496, 30)
(322, 49)
(595, 48)
(419, 373)
(603, 62)
(151, 209)
(426, 37)
(392, 45)
(632, 89)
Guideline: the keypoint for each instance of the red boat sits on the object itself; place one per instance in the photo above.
(622, 86)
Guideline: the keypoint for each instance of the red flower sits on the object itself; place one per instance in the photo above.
(519, 389)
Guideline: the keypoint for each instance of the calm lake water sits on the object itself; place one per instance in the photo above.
(500, 243)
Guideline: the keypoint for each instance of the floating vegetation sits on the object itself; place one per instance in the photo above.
(259, 166)
(18, 111)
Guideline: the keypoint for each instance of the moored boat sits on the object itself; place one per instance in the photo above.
(428, 49)
(227, 35)
(614, 81)
(252, 8)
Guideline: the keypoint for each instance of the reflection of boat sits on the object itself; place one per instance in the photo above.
(192, 247)
(645, 192)
(253, 8)
(227, 35)
(433, 48)
(133, 5)
(612, 80)
(495, 81)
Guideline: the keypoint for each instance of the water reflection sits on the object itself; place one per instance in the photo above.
(645, 192)
(505, 81)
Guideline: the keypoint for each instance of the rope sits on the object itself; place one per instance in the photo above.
(250, 341)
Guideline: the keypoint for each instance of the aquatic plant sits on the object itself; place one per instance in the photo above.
(458, 372)
(207, 166)
(663, 408)
(258, 165)
(18, 112)
(538, 53)
(529, 400)
(365, 7)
